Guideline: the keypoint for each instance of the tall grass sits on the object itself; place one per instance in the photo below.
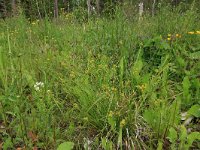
(106, 83)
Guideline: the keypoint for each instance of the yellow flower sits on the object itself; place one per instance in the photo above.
(110, 114)
(178, 35)
(72, 74)
(142, 87)
(191, 32)
(169, 35)
(169, 39)
(85, 118)
(197, 32)
(122, 123)
(33, 23)
(113, 89)
(122, 95)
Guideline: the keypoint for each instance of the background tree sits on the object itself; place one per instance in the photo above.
(13, 5)
(98, 6)
(3, 10)
(55, 8)
(38, 9)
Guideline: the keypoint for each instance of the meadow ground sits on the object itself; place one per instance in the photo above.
(105, 83)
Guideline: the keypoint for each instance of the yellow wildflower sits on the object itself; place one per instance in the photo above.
(33, 23)
(110, 114)
(122, 123)
(191, 32)
(113, 89)
(178, 35)
(122, 94)
(142, 87)
(197, 32)
(85, 118)
(169, 35)
(169, 39)
(72, 74)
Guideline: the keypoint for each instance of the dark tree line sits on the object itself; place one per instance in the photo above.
(51, 8)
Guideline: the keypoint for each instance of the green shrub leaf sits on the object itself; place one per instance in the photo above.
(195, 110)
(66, 146)
(172, 135)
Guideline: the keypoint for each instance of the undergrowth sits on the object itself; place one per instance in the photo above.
(104, 83)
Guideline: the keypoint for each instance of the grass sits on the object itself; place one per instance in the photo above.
(103, 83)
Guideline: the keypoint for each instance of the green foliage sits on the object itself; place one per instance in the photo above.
(172, 137)
(106, 144)
(102, 82)
(195, 55)
(160, 118)
(186, 87)
(66, 146)
(186, 140)
(195, 110)
(8, 143)
(160, 145)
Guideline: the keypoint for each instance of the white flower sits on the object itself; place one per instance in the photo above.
(184, 116)
(38, 86)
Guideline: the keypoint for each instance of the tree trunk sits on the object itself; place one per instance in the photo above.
(89, 7)
(98, 6)
(55, 8)
(13, 5)
(65, 5)
(141, 10)
(153, 7)
(38, 9)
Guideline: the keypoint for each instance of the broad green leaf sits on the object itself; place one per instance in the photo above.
(172, 135)
(174, 112)
(183, 134)
(160, 145)
(181, 61)
(66, 146)
(183, 137)
(103, 142)
(192, 137)
(136, 69)
(195, 110)
(112, 123)
(186, 86)
(151, 117)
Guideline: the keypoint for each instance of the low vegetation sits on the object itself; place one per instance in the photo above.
(103, 83)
